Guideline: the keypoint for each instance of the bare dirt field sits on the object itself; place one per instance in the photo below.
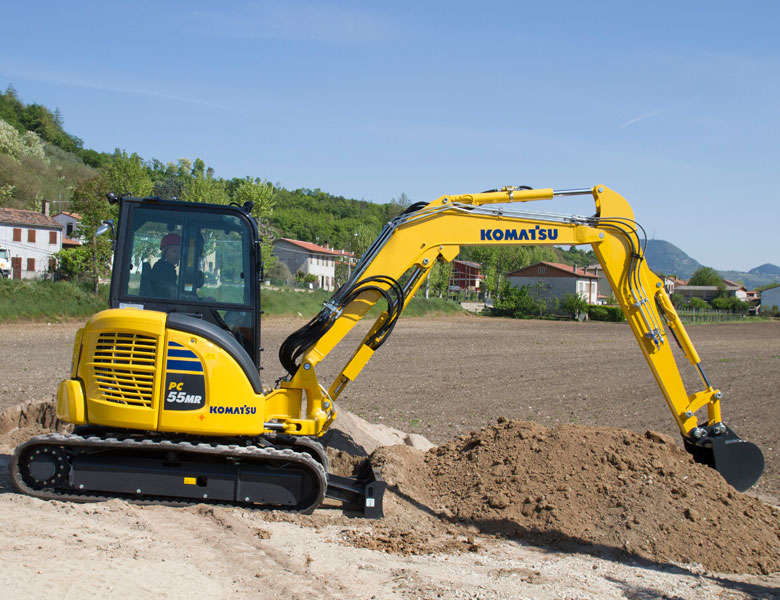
(544, 483)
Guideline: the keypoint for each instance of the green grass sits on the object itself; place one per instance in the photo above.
(48, 300)
(288, 302)
(65, 300)
(308, 304)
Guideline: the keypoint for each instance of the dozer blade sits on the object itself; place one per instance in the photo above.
(741, 463)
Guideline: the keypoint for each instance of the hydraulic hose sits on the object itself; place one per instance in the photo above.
(300, 341)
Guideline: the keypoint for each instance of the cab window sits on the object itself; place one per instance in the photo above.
(173, 256)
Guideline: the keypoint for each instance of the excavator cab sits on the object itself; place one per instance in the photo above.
(214, 277)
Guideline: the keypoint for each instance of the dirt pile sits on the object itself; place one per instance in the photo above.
(587, 488)
(18, 423)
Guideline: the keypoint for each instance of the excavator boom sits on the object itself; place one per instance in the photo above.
(398, 262)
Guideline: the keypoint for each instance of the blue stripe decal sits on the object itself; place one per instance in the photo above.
(184, 365)
(175, 344)
(182, 354)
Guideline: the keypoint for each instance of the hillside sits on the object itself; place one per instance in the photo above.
(665, 257)
(749, 280)
(766, 269)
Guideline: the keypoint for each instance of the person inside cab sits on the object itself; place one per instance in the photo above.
(164, 279)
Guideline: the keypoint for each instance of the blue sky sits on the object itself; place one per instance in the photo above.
(675, 105)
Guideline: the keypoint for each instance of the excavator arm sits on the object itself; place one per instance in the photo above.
(399, 260)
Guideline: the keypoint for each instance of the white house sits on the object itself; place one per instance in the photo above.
(710, 292)
(311, 259)
(31, 239)
(557, 280)
(70, 225)
(736, 289)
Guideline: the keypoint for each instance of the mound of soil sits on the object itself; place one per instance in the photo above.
(590, 488)
(18, 423)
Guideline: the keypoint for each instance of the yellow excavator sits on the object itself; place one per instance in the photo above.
(165, 392)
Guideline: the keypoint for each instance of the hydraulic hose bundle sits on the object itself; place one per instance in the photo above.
(300, 341)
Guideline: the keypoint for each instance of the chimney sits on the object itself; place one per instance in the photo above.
(45, 208)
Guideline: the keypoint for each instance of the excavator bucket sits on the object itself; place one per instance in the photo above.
(741, 463)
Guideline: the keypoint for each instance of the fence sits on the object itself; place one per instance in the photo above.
(708, 315)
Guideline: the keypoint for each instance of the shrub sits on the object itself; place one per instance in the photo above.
(515, 303)
(698, 303)
(574, 305)
(613, 314)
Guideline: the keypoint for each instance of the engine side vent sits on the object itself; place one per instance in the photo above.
(123, 368)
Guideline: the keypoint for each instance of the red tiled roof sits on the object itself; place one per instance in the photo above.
(734, 284)
(473, 265)
(564, 269)
(315, 248)
(69, 242)
(15, 216)
(72, 215)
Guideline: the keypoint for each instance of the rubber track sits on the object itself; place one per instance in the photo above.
(253, 453)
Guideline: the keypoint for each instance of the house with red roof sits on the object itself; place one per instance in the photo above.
(556, 280)
(70, 226)
(311, 259)
(31, 239)
(466, 275)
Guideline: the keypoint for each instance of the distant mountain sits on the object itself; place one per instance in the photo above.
(766, 269)
(750, 280)
(664, 257)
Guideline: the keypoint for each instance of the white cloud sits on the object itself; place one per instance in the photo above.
(641, 118)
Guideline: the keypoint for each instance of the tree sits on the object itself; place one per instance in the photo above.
(205, 190)
(706, 276)
(577, 256)
(398, 206)
(19, 145)
(363, 237)
(439, 278)
(260, 194)
(184, 166)
(169, 188)
(126, 175)
(198, 168)
(93, 258)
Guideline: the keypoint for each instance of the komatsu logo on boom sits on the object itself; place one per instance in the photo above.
(537, 234)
